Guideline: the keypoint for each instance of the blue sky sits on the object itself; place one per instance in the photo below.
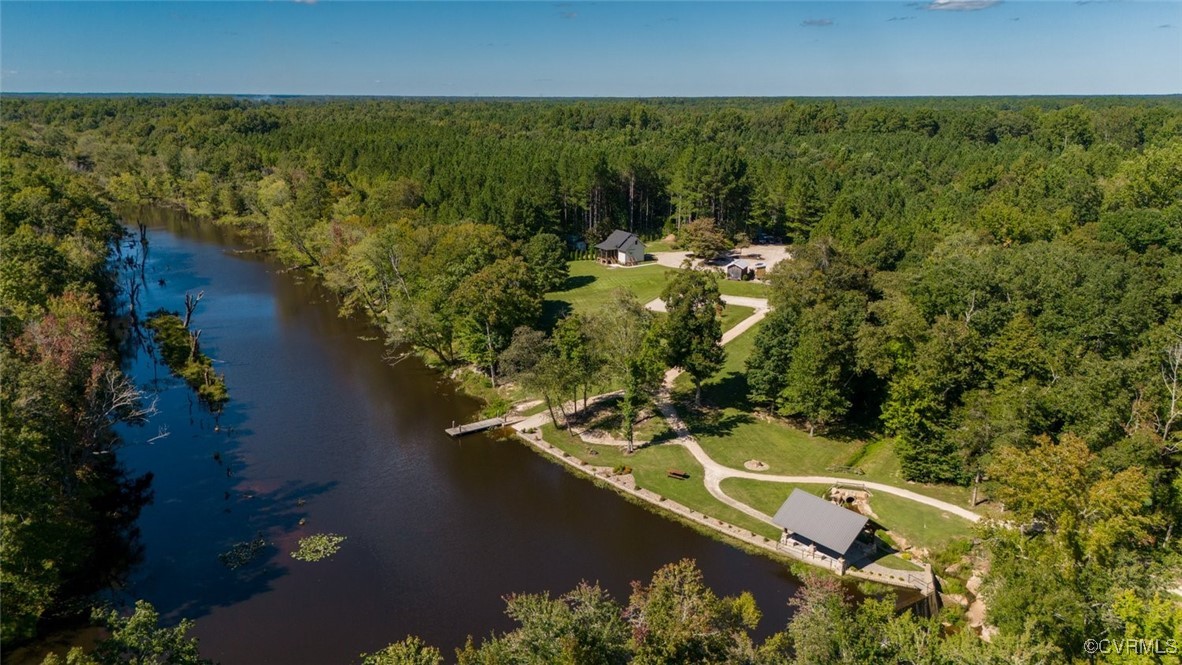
(946, 47)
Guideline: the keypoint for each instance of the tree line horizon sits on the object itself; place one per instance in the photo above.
(993, 284)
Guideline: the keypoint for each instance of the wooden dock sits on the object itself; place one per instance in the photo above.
(479, 426)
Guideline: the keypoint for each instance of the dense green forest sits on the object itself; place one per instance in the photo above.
(972, 271)
(993, 284)
(67, 507)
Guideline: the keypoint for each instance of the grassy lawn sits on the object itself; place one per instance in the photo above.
(764, 496)
(658, 246)
(591, 285)
(577, 448)
(496, 400)
(895, 562)
(605, 416)
(921, 525)
(732, 437)
(737, 352)
(534, 410)
(731, 287)
(650, 466)
(733, 314)
(728, 430)
(878, 462)
(732, 434)
(729, 386)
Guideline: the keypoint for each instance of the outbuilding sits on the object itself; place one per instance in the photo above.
(815, 528)
(739, 270)
(621, 248)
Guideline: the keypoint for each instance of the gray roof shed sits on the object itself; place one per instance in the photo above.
(619, 240)
(819, 521)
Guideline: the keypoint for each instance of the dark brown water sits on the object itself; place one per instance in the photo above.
(320, 428)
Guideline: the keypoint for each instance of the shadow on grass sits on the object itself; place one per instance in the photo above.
(662, 436)
(576, 282)
(713, 422)
(729, 391)
(885, 554)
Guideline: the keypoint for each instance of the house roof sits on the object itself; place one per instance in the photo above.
(619, 240)
(824, 523)
(739, 263)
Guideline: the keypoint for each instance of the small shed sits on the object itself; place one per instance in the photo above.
(621, 248)
(813, 524)
(739, 270)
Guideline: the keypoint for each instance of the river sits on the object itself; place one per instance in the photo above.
(320, 429)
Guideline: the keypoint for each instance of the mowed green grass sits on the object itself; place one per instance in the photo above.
(732, 433)
(764, 496)
(731, 437)
(650, 467)
(653, 246)
(879, 463)
(733, 314)
(592, 285)
(920, 524)
(605, 416)
(729, 386)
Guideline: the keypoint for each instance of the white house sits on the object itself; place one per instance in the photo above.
(622, 248)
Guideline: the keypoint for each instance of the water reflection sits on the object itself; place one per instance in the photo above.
(320, 435)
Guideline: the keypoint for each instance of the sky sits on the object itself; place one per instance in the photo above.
(592, 49)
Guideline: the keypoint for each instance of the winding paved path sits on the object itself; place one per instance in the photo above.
(713, 472)
(760, 305)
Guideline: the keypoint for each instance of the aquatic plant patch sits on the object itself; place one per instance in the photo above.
(318, 547)
(242, 553)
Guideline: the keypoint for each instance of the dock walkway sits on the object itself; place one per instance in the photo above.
(479, 426)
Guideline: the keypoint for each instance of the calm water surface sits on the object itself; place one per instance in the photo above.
(319, 428)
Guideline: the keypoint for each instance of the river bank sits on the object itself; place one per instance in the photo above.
(735, 535)
(532, 431)
(322, 428)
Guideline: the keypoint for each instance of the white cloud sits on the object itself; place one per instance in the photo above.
(960, 5)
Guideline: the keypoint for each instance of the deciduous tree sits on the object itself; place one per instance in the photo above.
(692, 332)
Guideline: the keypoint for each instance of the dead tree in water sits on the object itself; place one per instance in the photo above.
(133, 297)
(193, 338)
(191, 305)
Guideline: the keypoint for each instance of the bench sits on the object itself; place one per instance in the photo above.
(680, 475)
